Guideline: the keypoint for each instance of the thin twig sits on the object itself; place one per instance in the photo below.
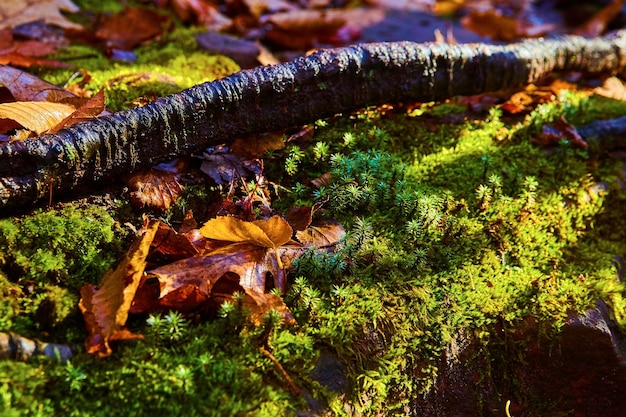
(292, 386)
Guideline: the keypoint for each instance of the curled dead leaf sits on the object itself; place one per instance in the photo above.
(106, 308)
(88, 110)
(26, 87)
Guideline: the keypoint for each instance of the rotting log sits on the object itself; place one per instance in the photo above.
(274, 97)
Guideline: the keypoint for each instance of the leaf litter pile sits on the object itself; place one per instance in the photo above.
(208, 265)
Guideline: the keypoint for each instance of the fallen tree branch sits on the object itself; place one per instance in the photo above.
(274, 97)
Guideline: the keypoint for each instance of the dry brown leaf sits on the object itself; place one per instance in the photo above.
(26, 53)
(613, 88)
(106, 308)
(259, 304)
(559, 131)
(498, 26)
(248, 261)
(16, 12)
(305, 29)
(36, 116)
(90, 109)
(202, 12)
(131, 27)
(257, 8)
(412, 5)
(322, 234)
(299, 217)
(224, 167)
(172, 245)
(26, 87)
(157, 187)
(256, 146)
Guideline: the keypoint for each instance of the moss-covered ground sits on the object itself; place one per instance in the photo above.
(453, 223)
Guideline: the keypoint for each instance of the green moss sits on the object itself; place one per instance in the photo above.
(163, 67)
(69, 246)
(465, 236)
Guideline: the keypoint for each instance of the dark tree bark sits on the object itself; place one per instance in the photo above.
(274, 97)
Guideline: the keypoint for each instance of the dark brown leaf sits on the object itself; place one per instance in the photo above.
(558, 131)
(157, 187)
(224, 167)
(26, 87)
(299, 217)
(130, 28)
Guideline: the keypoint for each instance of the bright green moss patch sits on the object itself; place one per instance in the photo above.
(65, 247)
(163, 67)
(45, 258)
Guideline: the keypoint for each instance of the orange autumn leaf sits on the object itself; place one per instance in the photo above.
(270, 233)
(90, 109)
(106, 308)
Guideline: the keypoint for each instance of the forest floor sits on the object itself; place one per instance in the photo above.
(424, 221)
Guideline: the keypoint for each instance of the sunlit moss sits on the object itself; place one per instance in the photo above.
(453, 225)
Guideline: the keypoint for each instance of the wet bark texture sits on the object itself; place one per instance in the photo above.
(274, 97)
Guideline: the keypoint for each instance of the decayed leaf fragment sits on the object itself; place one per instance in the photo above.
(159, 186)
(106, 308)
(558, 131)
